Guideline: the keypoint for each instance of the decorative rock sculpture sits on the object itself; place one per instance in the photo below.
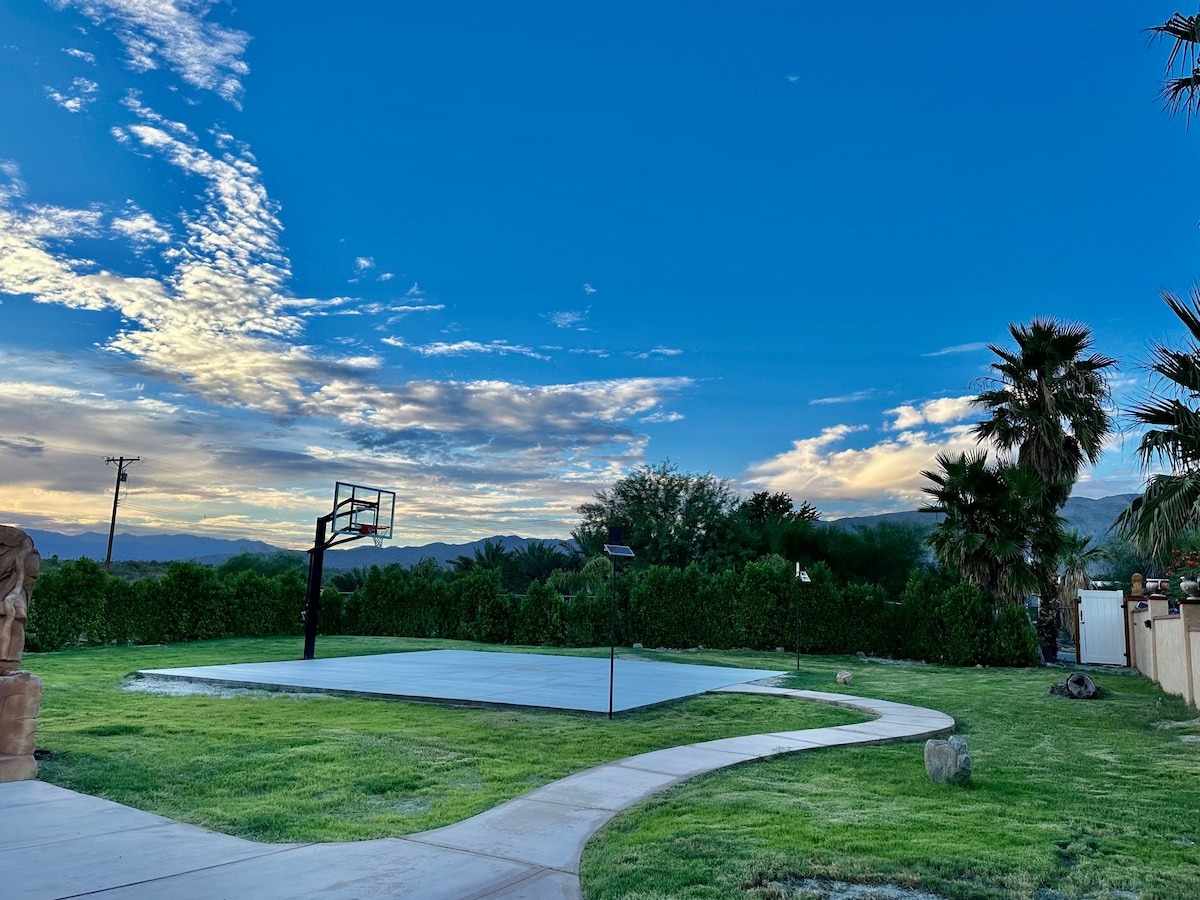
(948, 761)
(20, 692)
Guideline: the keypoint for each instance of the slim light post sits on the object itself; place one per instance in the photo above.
(615, 549)
(801, 578)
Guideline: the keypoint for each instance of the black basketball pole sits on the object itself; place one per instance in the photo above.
(312, 605)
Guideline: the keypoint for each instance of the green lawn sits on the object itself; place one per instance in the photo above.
(286, 767)
(1070, 799)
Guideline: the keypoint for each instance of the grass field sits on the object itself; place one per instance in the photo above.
(1078, 799)
(1069, 799)
(287, 767)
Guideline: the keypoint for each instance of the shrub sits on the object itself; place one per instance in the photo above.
(539, 617)
(331, 611)
(1016, 640)
(666, 605)
(67, 604)
(194, 604)
(253, 603)
(760, 610)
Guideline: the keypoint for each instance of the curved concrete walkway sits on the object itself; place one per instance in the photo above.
(57, 843)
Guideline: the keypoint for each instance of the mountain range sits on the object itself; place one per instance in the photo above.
(1086, 515)
(213, 551)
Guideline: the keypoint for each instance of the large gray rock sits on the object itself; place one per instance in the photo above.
(948, 761)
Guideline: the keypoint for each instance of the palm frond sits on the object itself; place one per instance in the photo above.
(1186, 32)
(1167, 509)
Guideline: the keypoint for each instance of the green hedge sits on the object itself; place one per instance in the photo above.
(658, 606)
(76, 602)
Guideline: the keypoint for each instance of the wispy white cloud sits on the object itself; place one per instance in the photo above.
(80, 54)
(204, 54)
(588, 289)
(81, 92)
(139, 227)
(567, 318)
(972, 347)
(657, 351)
(660, 417)
(462, 348)
(845, 398)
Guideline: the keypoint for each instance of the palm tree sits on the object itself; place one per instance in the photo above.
(1170, 504)
(537, 560)
(1049, 402)
(985, 535)
(1076, 559)
(1182, 93)
(1049, 406)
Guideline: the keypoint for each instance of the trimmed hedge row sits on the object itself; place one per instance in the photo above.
(658, 606)
(76, 601)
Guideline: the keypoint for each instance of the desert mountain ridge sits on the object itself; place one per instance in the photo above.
(1087, 515)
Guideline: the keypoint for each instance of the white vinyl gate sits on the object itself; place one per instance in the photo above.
(1102, 627)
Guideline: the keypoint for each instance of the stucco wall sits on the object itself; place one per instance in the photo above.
(1140, 638)
(1172, 658)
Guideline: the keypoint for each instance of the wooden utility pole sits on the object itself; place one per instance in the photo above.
(122, 462)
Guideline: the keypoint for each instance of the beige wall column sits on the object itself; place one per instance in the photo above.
(1189, 613)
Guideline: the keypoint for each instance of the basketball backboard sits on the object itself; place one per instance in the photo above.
(363, 511)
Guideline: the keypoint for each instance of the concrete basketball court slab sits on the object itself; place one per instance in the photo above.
(470, 676)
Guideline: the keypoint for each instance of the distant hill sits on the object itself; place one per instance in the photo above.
(162, 547)
(1087, 516)
(358, 555)
(214, 551)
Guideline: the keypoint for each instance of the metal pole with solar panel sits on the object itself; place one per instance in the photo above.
(614, 548)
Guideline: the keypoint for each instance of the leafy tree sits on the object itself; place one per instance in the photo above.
(269, 564)
(764, 506)
(669, 517)
(883, 553)
(1170, 503)
(350, 580)
(769, 523)
(1048, 404)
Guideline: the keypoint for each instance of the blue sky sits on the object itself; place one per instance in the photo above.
(496, 255)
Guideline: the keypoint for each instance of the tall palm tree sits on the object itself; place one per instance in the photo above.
(1049, 401)
(1170, 504)
(1049, 406)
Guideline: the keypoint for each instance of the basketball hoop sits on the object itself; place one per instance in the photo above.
(358, 512)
